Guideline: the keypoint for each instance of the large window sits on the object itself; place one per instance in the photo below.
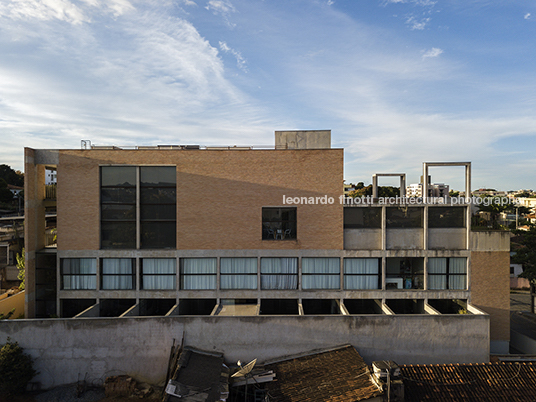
(362, 273)
(118, 274)
(118, 207)
(404, 217)
(238, 273)
(446, 217)
(279, 273)
(120, 186)
(321, 273)
(404, 273)
(198, 273)
(447, 273)
(78, 273)
(362, 218)
(278, 223)
(158, 273)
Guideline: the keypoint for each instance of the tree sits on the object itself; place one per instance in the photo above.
(453, 193)
(383, 191)
(494, 206)
(16, 369)
(525, 252)
(13, 177)
(5, 193)
(21, 267)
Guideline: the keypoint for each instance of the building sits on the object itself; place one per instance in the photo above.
(434, 190)
(200, 231)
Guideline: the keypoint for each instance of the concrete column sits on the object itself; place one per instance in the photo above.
(374, 186)
(425, 180)
(403, 185)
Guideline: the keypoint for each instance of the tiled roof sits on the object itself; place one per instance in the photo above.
(470, 382)
(335, 375)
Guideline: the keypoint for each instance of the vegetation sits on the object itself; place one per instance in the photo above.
(13, 177)
(524, 246)
(16, 369)
(6, 196)
(21, 267)
(383, 191)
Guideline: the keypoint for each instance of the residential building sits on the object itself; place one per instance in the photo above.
(434, 190)
(189, 230)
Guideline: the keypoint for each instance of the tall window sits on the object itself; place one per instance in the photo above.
(198, 273)
(118, 274)
(238, 273)
(362, 273)
(321, 273)
(118, 207)
(279, 223)
(362, 218)
(158, 273)
(78, 273)
(149, 189)
(447, 273)
(279, 273)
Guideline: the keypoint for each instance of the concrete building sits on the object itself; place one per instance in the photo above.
(434, 190)
(193, 231)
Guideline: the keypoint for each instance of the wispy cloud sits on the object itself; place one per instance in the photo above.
(433, 52)
(527, 16)
(417, 24)
(240, 61)
(224, 8)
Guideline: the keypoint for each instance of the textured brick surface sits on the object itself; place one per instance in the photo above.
(220, 195)
(490, 291)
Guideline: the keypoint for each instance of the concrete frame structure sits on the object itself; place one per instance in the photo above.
(375, 183)
(246, 181)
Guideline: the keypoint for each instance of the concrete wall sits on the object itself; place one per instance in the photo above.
(447, 239)
(220, 195)
(315, 139)
(362, 239)
(404, 239)
(65, 350)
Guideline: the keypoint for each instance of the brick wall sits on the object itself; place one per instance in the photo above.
(220, 195)
(490, 289)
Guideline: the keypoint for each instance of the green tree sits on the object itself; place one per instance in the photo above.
(16, 369)
(14, 177)
(383, 191)
(494, 206)
(5, 193)
(21, 267)
(524, 246)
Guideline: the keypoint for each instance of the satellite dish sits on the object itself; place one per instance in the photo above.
(244, 370)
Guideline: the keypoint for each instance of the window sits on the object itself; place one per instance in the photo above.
(321, 273)
(278, 223)
(158, 273)
(279, 273)
(78, 273)
(446, 217)
(238, 273)
(362, 218)
(198, 273)
(447, 273)
(362, 273)
(156, 186)
(404, 273)
(404, 217)
(118, 274)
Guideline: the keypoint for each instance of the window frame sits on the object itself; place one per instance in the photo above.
(279, 229)
(132, 275)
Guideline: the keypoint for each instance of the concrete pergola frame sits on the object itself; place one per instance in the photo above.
(375, 183)
(426, 165)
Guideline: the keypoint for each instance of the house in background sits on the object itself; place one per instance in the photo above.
(139, 235)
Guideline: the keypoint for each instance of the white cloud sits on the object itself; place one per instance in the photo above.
(240, 61)
(330, 2)
(527, 16)
(416, 24)
(224, 8)
(433, 52)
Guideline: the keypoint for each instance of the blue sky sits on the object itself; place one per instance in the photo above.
(398, 82)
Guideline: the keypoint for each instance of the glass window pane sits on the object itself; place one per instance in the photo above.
(156, 212)
(118, 212)
(199, 266)
(362, 218)
(361, 266)
(198, 282)
(238, 265)
(320, 282)
(159, 195)
(405, 217)
(158, 235)
(118, 195)
(446, 217)
(158, 266)
(116, 235)
(117, 266)
(161, 282)
(158, 175)
(279, 265)
(118, 176)
(320, 266)
(238, 281)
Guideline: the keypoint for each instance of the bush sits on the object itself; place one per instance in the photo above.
(16, 369)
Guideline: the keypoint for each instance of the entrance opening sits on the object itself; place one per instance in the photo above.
(196, 306)
(115, 307)
(149, 307)
(72, 307)
(279, 307)
(320, 307)
(362, 306)
(406, 306)
(449, 306)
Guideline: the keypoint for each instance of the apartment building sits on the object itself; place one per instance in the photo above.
(218, 231)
